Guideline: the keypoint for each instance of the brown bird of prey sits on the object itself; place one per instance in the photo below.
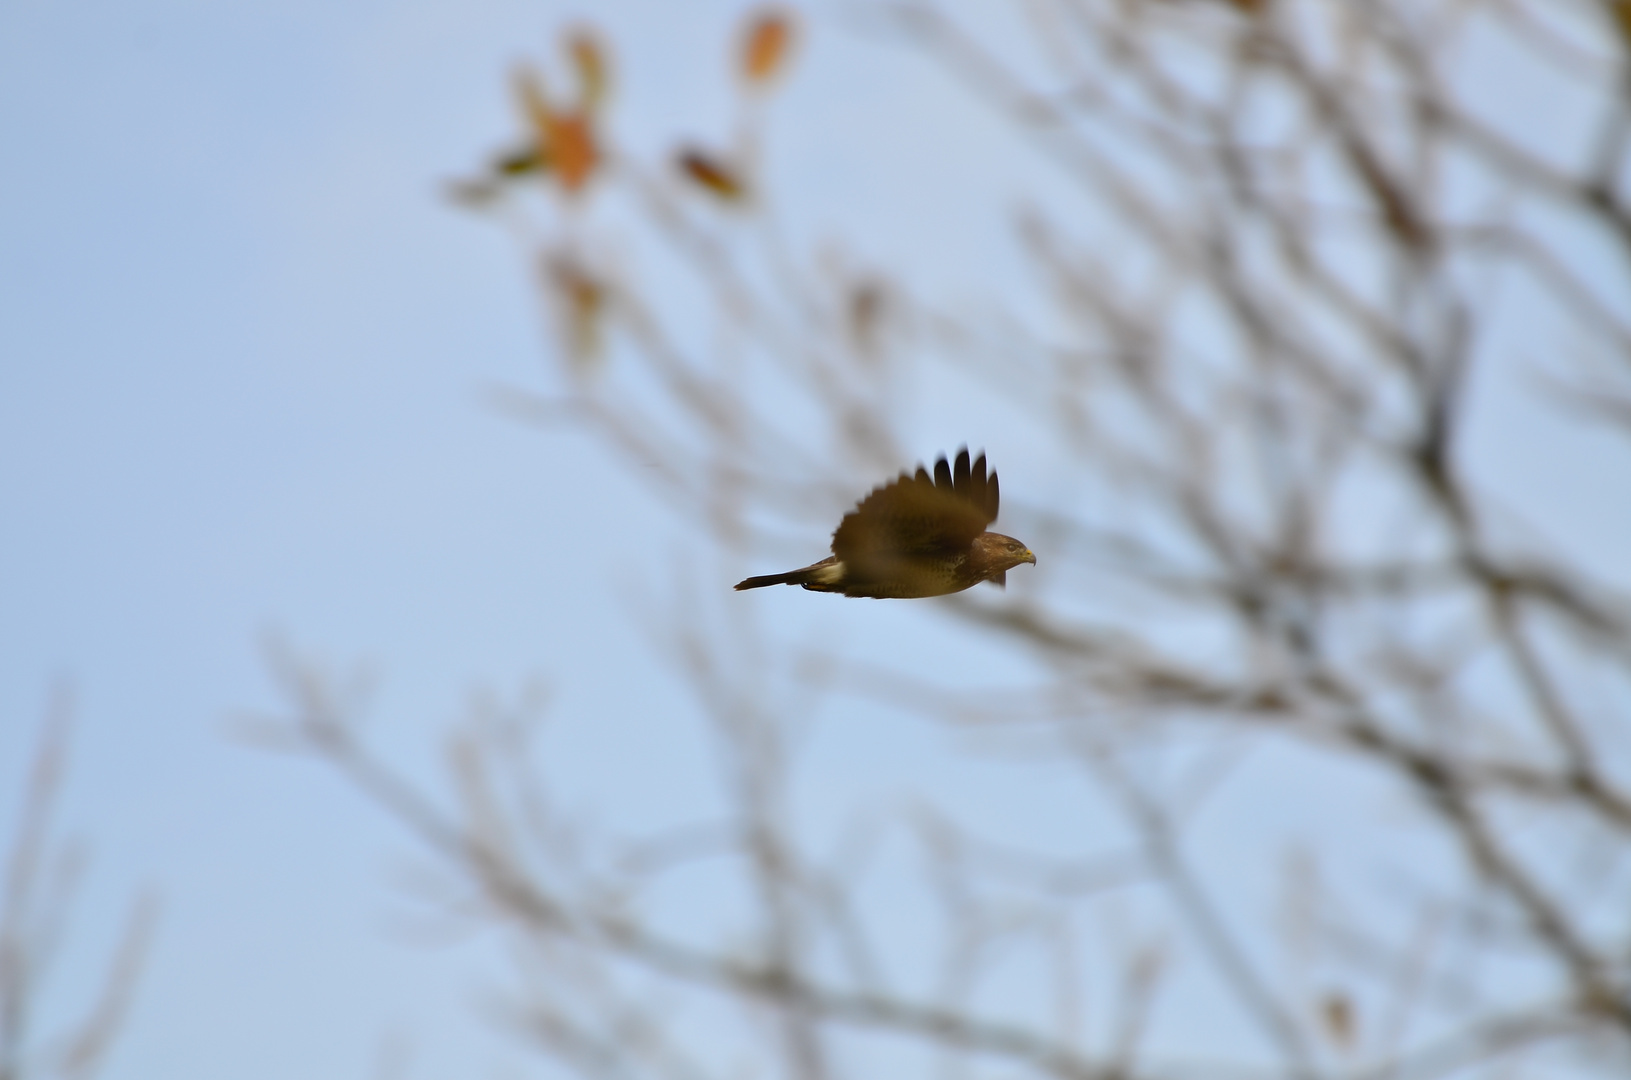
(915, 536)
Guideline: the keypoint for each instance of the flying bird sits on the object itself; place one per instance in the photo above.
(915, 536)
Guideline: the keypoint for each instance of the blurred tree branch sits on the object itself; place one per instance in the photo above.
(42, 876)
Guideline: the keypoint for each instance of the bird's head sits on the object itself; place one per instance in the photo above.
(998, 553)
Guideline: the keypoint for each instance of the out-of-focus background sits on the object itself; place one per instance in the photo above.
(379, 382)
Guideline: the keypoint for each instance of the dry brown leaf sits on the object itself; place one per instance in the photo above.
(482, 190)
(589, 59)
(528, 159)
(580, 298)
(572, 149)
(712, 174)
(563, 141)
(766, 43)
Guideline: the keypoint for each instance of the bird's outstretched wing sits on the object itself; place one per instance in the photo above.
(918, 517)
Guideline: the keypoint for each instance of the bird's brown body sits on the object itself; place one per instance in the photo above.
(915, 536)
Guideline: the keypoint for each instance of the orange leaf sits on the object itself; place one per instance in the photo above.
(572, 149)
(765, 47)
(712, 174)
(564, 141)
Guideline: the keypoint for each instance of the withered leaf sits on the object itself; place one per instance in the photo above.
(589, 60)
(766, 43)
(708, 172)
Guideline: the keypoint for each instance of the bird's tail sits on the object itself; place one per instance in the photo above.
(792, 577)
(816, 576)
